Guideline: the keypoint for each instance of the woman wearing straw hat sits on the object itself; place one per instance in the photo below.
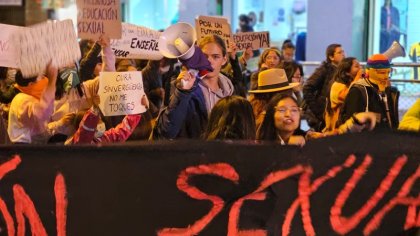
(270, 83)
(269, 59)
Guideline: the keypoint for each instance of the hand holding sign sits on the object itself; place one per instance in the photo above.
(233, 50)
(119, 93)
(104, 40)
(144, 101)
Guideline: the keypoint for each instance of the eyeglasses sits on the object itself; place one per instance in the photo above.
(292, 110)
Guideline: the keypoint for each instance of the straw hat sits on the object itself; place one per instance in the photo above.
(273, 80)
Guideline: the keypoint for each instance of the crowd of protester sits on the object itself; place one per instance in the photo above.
(219, 103)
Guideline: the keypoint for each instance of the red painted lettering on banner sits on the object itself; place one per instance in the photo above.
(343, 225)
(219, 169)
(9, 166)
(5, 168)
(291, 212)
(60, 204)
(25, 206)
(10, 224)
(258, 194)
(400, 199)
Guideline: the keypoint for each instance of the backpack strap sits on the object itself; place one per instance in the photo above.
(364, 93)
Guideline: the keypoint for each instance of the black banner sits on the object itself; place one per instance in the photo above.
(352, 184)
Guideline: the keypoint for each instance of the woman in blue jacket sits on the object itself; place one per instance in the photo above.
(194, 96)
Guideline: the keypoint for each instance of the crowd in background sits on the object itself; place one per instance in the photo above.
(223, 101)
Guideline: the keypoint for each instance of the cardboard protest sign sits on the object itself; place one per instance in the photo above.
(121, 93)
(10, 2)
(208, 25)
(8, 57)
(255, 40)
(137, 42)
(53, 41)
(96, 17)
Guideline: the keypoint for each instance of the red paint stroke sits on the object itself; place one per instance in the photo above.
(269, 180)
(219, 169)
(60, 204)
(7, 218)
(304, 191)
(410, 220)
(343, 225)
(332, 173)
(418, 220)
(10, 165)
(25, 206)
(234, 216)
(400, 199)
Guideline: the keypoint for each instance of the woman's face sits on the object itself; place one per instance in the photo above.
(355, 67)
(272, 60)
(297, 78)
(215, 56)
(286, 116)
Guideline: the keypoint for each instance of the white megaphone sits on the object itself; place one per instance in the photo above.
(177, 41)
(396, 50)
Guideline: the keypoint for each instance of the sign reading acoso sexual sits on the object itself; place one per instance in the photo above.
(328, 187)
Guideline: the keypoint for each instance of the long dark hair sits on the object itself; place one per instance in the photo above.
(231, 118)
(290, 67)
(342, 75)
(267, 130)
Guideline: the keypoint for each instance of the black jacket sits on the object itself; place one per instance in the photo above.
(356, 101)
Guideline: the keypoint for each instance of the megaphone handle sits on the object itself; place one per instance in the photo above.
(194, 73)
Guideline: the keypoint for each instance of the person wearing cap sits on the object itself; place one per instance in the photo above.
(373, 93)
(270, 83)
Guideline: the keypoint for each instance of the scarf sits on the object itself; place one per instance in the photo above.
(34, 89)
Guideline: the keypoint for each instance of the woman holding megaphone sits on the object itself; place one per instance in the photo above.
(193, 95)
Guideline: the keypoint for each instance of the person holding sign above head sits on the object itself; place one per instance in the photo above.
(91, 63)
(233, 69)
(73, 95)
(32, 107)
(194, 96)
(90, 131)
